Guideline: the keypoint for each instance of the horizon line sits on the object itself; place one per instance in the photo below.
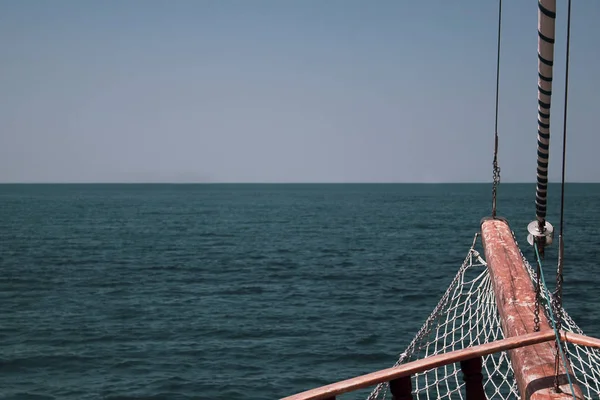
(284, 183)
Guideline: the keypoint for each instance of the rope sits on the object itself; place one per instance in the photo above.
(546, 29)
(552, 320)
(496, 168)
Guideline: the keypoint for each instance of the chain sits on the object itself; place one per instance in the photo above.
(496, 174)
(565, 317)
(557, 296)
(557, 365)
(496, 170)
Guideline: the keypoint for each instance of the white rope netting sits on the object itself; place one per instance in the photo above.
(584, 361)
(467, 316)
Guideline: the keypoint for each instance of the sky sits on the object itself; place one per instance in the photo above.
(287, 91)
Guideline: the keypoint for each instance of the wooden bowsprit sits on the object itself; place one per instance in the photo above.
(515, 299)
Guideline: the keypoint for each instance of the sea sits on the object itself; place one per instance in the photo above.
(245, 291)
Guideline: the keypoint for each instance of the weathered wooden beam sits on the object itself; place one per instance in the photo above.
(515, 298)
(425, 364)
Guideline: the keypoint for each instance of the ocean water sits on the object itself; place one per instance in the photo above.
(243, 291)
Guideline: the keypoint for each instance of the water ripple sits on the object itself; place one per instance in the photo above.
(235, 292)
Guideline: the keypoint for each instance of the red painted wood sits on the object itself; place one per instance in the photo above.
(401, 388)
(425, 364)
(473, 377)
(515, 297)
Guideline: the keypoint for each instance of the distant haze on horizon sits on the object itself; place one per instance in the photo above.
(275, 91)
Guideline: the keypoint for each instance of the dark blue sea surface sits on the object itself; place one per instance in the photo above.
(244, 291)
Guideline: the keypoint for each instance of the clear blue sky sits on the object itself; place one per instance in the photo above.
(286, 91)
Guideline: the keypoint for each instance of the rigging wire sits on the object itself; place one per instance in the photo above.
(560, 352)
(564, 149)
(559, 271)
(496, 168)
